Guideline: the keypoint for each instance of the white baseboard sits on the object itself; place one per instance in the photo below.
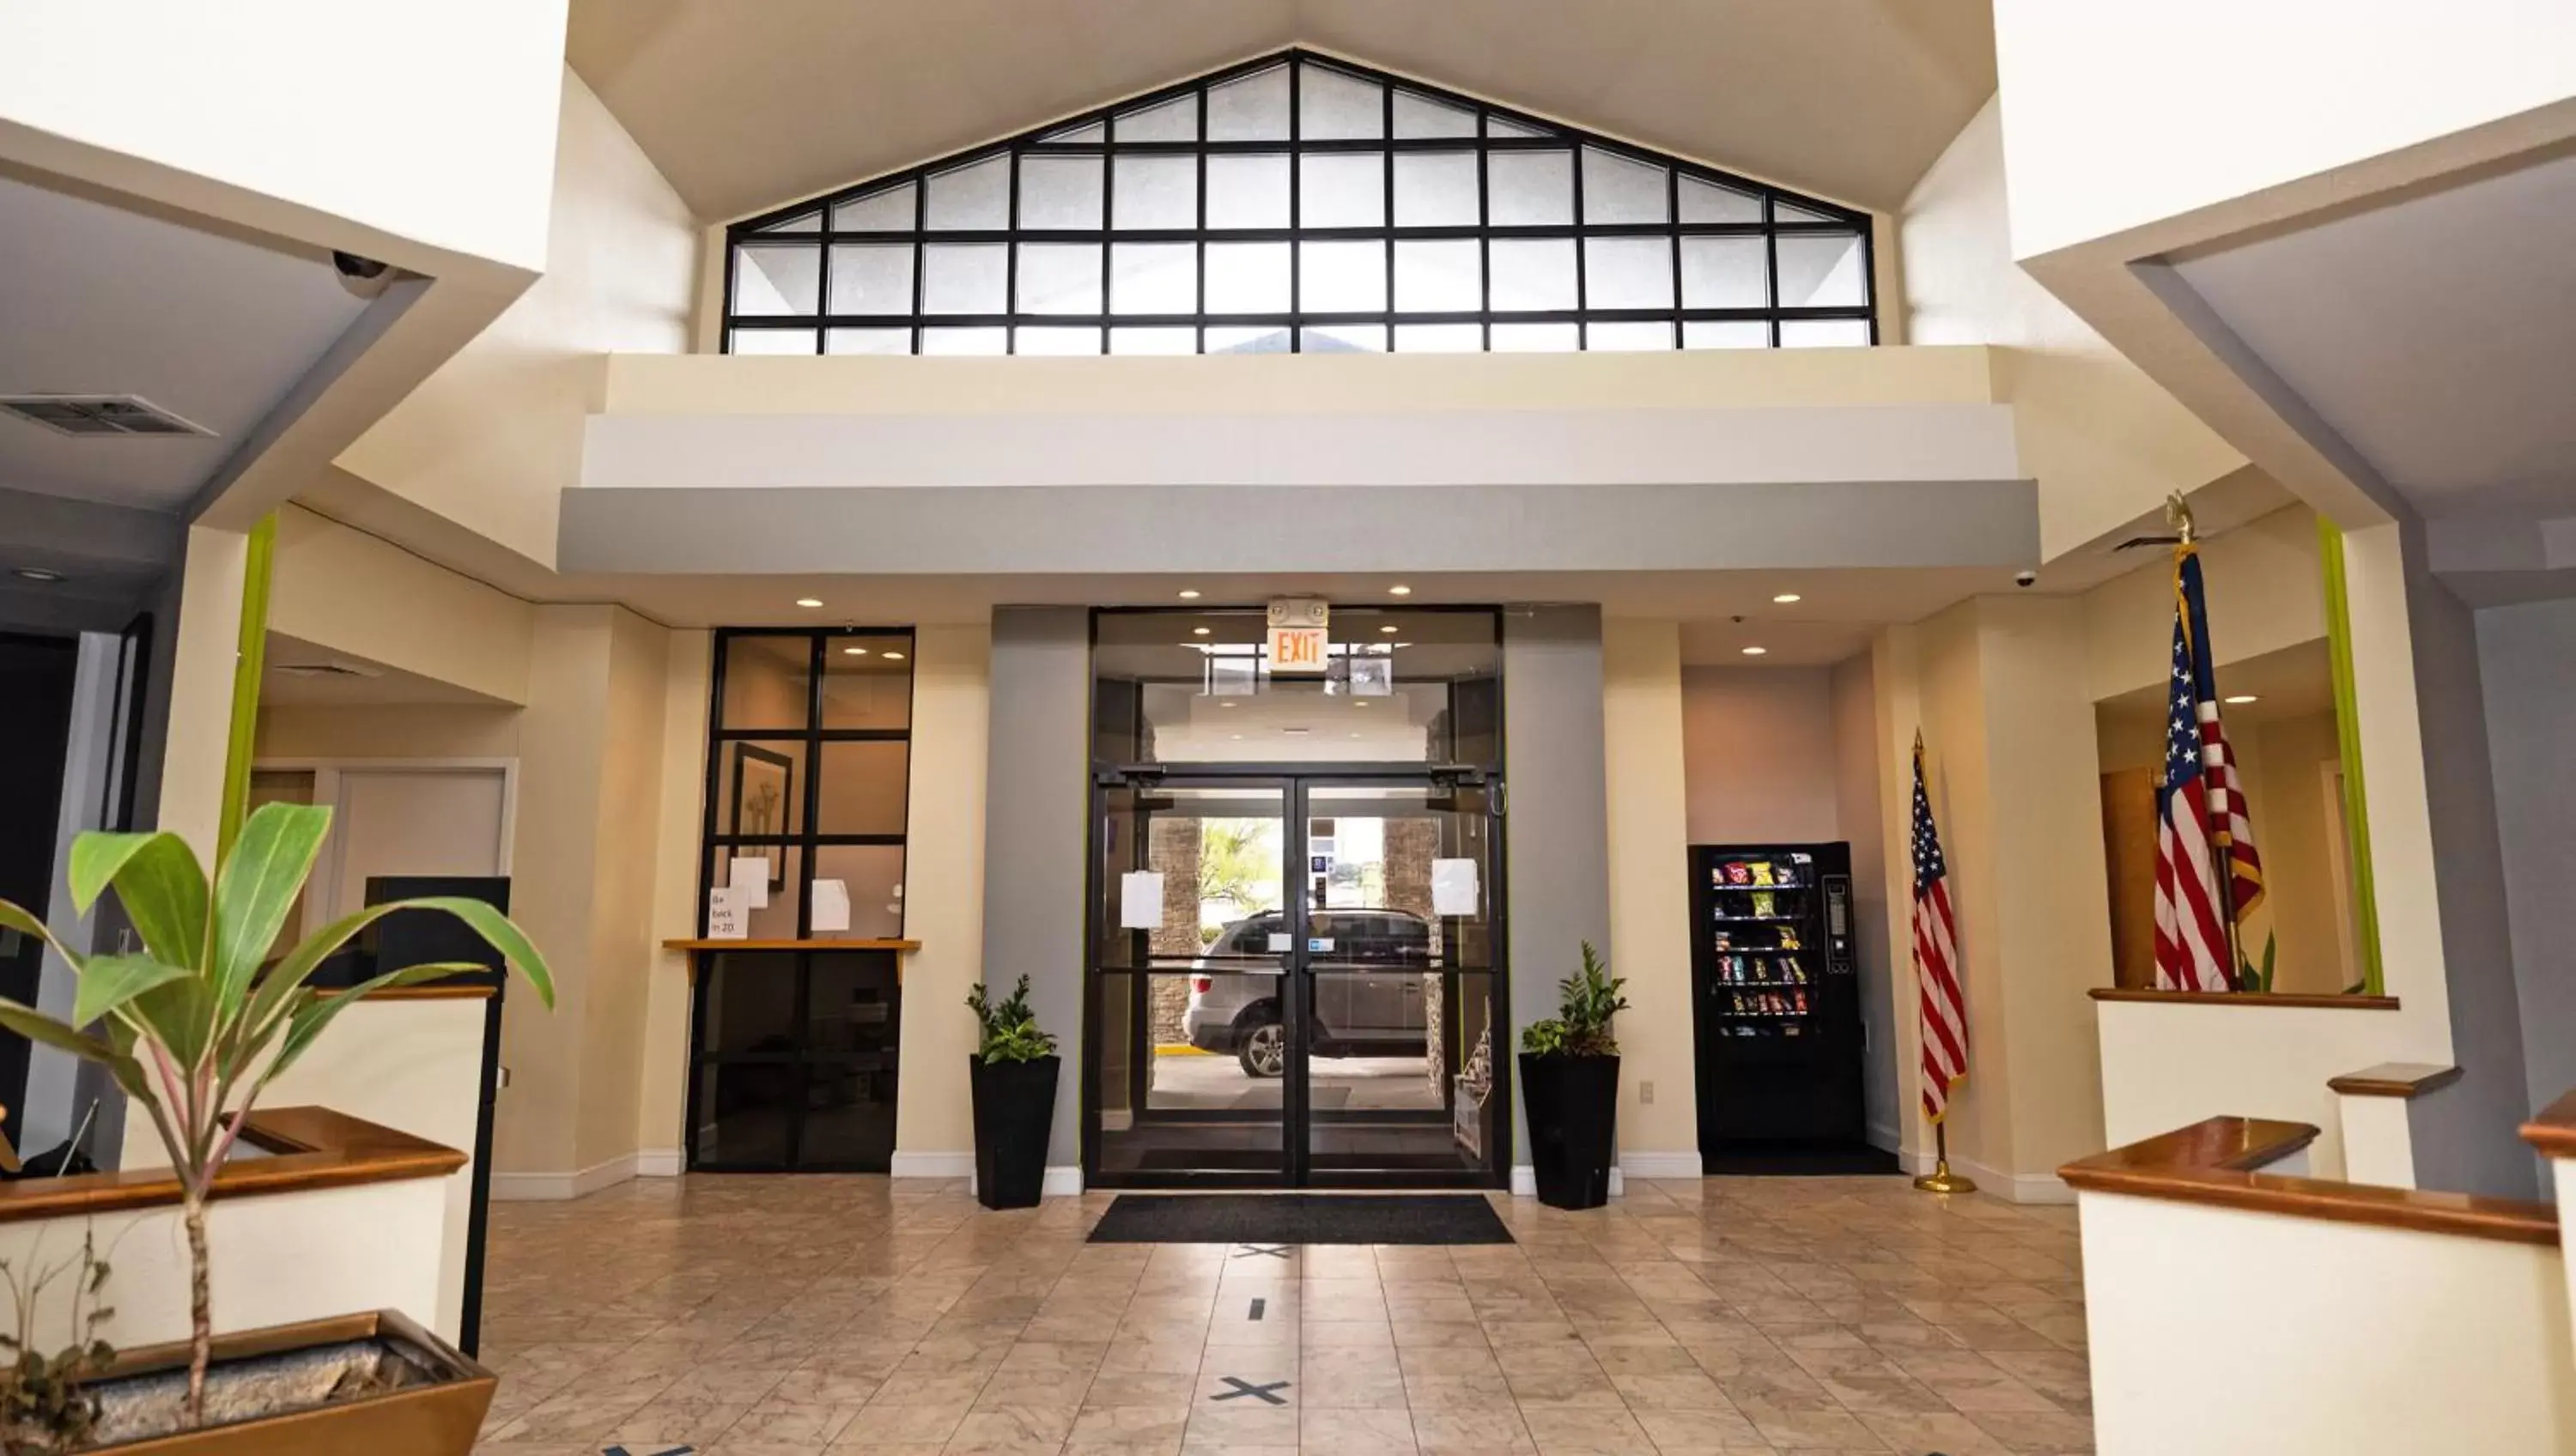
(659, 1163)
(931, 1165)
(1062, 1181)
(2010, 1187)
(555, 1187)
(1661, 1165)
(1525, 1181)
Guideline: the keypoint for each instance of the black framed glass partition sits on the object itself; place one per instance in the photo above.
(1301, 204)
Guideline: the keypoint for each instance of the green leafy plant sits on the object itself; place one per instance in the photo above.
(45, 1404)
(1011, 1031)
(198, 1025)
(1586, 1002)
(2250, 977)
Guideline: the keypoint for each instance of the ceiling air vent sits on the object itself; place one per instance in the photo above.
(98, 414)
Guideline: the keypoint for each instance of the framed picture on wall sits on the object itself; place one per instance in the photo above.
(763, 783)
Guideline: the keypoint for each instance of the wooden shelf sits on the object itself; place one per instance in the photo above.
(894, 945)
(310, 1147)
(2394, 1079)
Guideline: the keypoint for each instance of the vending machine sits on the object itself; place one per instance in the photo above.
(1776, 993)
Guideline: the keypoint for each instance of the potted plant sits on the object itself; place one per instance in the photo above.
(1013, 1074)
(195, 1028)
(1570, 1085)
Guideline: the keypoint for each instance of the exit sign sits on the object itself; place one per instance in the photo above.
(1298, 650)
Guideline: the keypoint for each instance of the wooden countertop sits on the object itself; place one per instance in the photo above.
(2245, 998)
(311, 1147)
(2216, 1162)
(2553, 1129)
(693, 944)
(2395, 1079)
(431, 992)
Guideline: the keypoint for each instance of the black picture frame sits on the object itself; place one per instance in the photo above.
(745, 757)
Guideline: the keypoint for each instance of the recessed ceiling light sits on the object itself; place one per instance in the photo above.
(1359, 702)
(809, 601)
(1355, 735)
(1235, 736)
(2246, 698)
(1388, 629)
(1200, 631)
(894, 657)
(1755, 651)
(37, 573)
(1785, 598)
(1399, 590)
(854, 652)
(1189, 594)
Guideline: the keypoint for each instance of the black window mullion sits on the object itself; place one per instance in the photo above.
(920, 257)
(1010, 258)
(1386, 183)
(1296, 201)
(1484, 231)
(1198, 333)
(1771, 269)
(813, 790)
(1673, 219)
(1582, 256)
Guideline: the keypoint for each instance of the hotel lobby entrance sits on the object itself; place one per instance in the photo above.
(1295, 975)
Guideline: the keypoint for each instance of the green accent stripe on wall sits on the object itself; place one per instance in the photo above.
(2356, 803)
(249, 654)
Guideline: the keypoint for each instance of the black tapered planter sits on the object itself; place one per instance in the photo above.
(1014, 1113)
(1573, 1107)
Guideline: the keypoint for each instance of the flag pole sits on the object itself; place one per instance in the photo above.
(2178, 516)
(1941, 1179)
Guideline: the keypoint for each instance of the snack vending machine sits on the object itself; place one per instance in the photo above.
(1777, 997)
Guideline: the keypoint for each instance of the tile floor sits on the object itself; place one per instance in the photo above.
(792, 1316)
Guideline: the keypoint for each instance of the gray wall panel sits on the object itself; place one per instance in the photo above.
(1037, 810)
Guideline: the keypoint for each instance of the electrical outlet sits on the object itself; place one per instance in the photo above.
(1646, 1092)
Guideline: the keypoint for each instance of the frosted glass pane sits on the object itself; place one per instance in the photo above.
(963, 277)
(1792, 212)
(1342, 189)
(1057, 340)
(872, 278)
(805, 222)
(1439, 338)
(1530, 188)
(1435, 189)
(1247, 277)
(1341, 277)
(1628, 273)
(1616, 189)
(776, 278)
(1155, 192)
(1153, 341)
(1343, 339)
(772, 341)
(1616, 338)
(1822, 271)
(1824, 333)
(1439, 277)
(1060, 192)
(1724, 273)
(1059, 278)
(976, 196)
(1417, 115)
(1332, 105)
(867, 341)
(1088, 131)
(1498, 126)
(1245, 192)
(965, 341)
(1532, 273)
(889, 211)
(1252, 109)
(1258, 339)
(1729, 334)
(1176, 120)
(1153, 278)
(1707, 202)
(1537, 338)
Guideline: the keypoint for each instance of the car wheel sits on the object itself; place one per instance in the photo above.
(1263, 1050)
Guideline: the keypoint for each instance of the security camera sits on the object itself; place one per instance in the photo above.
(353, 266)
(2025, 577)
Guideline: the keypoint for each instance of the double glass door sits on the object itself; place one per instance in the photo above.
(1295, 980)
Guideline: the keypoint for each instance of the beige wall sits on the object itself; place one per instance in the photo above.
(392, 730)
(661, 1107)
(2265, 590)
(1650, 834)
(1759, 744)
(2104, 441)
(944, 889)
(201, 686)
(493, 438)
(344, 589)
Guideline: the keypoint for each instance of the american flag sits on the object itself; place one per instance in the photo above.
(1936, 959)
(2208, 875)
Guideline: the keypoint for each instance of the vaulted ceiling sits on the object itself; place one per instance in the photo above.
(744, 106)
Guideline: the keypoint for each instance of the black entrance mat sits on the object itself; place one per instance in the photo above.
(1831, 1160)
(1300, 1218)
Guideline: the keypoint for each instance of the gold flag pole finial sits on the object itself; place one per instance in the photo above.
(2178, 516)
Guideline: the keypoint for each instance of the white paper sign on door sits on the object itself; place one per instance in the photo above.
(1453, 887)
(831, 905)
(727, 917)
(1140, 900)
(751, 882)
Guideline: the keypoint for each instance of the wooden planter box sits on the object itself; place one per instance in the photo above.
(427, 1420)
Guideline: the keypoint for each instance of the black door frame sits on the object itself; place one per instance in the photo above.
(1295, 782)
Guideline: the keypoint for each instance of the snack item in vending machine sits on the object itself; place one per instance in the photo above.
(1738, 873)
(1762, 872)
(1763, 901)
(1789, 938)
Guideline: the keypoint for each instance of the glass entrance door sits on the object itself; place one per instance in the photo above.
(1294, 980)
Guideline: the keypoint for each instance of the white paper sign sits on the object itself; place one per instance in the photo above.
(751, 882)
(1140, 900)
(727, 917)
(831, 904)
(1279, 942)
(1453, 887)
